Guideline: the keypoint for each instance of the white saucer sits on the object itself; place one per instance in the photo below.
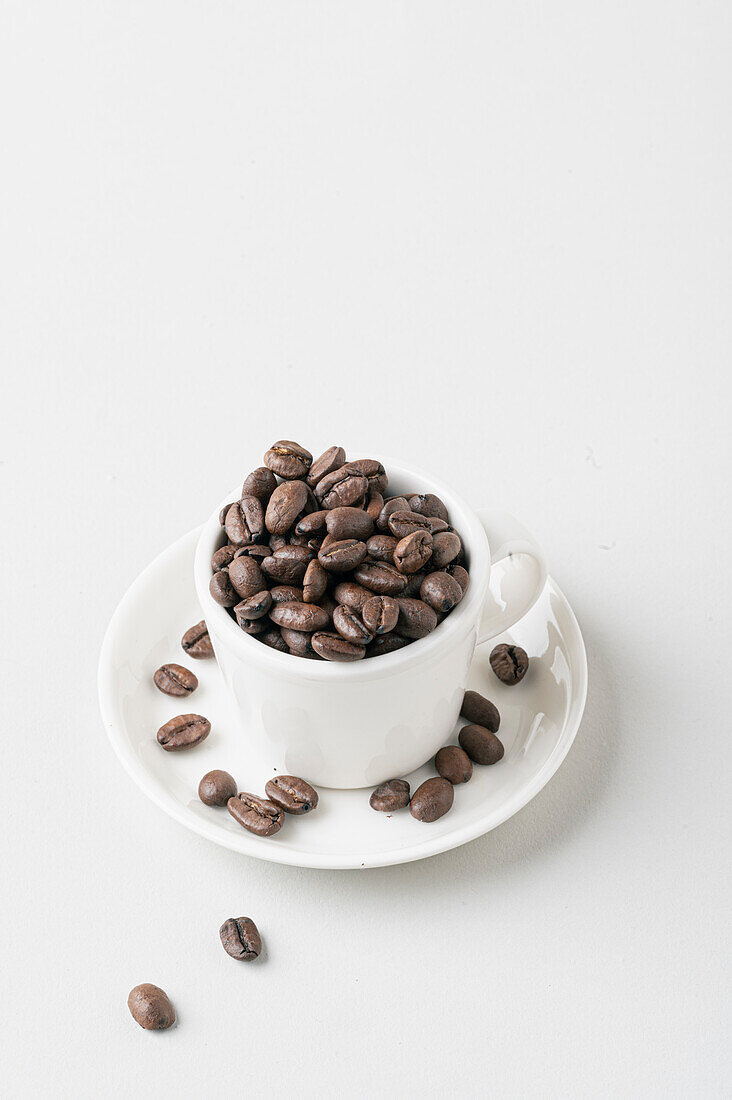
(539, 720)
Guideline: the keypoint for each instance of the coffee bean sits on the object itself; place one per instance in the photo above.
(245, 521)
(314, 582)
(350, 626)
(256, 550)
(374, 504)
(196, 642)
(330, 460)
(312, 523)
(293, 795)
(185, 731)
(221, 589)
(342, 556)
(256, 814)
(372, 470)
(335, 648)
(413, 551)
(390, 796)
(273, 638)
(349, 523)
(476, 708)
(240, 938)
(288, 460)
(288, 564)
(286, 593)
(260, 483)
(298, 642)
(480, 744)
(150, 1007)
(380, 578)
(406, 523)
(381, 547)
(396, 504)
(427, 504)
(216, 788)
(461, 575)
(175, 680)
(254, 607)
(453, 763)
(223, 557)
(441, 591)
(352, 595)
(416, 618)
(300, 616)
(276, 542)
(285, 505)
(432, 800)
(340, 488)
(380, 614)
(446, 545)
(414, 583)
(387, 643)
(222, 514)
(510, 663)
(251, 626)
(246, 576)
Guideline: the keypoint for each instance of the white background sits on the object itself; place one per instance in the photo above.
(493, 238)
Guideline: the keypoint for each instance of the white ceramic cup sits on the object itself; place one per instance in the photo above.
(359, 724)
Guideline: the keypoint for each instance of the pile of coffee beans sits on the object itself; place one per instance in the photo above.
(317, 560)
(286, 794)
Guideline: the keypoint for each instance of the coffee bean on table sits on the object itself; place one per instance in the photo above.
(293, 795)
(333, 647)
(288, 460)
(256, 814)
(453, 763)
(196, 642)
(441, 591)
(216, 788)
(260, 483)
(476, 708)
(300, 616)
(175, 680)
(185, 731)
(390, 796)
(240, 938)
(432, 800)
(351, 627)
(510, 663)
(285, 505)
(150, 1007)
(221, 588)
(413, 551)
(330, 460)
(480, 744)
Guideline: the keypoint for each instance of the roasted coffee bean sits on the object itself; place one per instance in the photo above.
(298, 642)
(402, 524)
(453, 763)
(314, 582)
(340, 488)
(260, 483)
(349, 523)
(352, 595)
(427, 504)
(293, 795)
(476, 708)
(342, 556)
(330, 460)
(312, 524)
(351, 627)
(510, 663)
(480, 744)
(251, 626)
(246, 577)
(461, 575)
(285, 505)
(328, 603)
(372, 470)
(150, 1007)
(183, 732)
(413, 551)
(216, 788)
(256, 550)
(196, 642)
(221, 588)
(300, 616)
(380, 614)
(175, 680)
(374, 504)
(335, 648)
(298, 540)
(396, 504)
(381, 547)
(256, 814)
(387, 643)
(288, 564)
(273, 638)
(222, 514)
(381, 578)
(441, 591)
(240, 938)
(245, 521)
(432, 800)
(286, 593)
(414, 583)
(390, 796)
(446, 545)
(255, 607)
(416, 618)
(222, 557)
(276, 542)
(288, 460)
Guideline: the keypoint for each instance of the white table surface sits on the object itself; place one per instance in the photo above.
(493, 239)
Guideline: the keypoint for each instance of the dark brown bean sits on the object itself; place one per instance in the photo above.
(223, 557)
(196, 642)
(245, 521)
(381, 578)
(312, 523)
(293, 795)
(405, 523)
(335, 648)
(427, 504)
(222, 514)
(349, 523)
(298, 642)
(216, 788)
(273, 638)
(396, 504)
(372, 470)
(342, 556)
(414, 583)
(221, 589)
(416, 618)
(390, 796)
(286, 593)
(380, 614)
(151, 1007)
(413, 552)
(288, 460)
(256, 814)
(351, 627)
(256, 550)
(185, 731)
(330, 460)
(255, 607)
(260, 483)
(251, 626)
(382, 547)
(480, 744)
(314, 582)
(432, 800)
(453, 763)
(352, 595)
(240, 938)
(288, 564)
(300, 616)
(441, 591)
(374, 504)
(387, 643)
(460, 574)
(476, 708)
(285, 505)
(276, 541)
(340, 488)
(175, 680)
(446, 545)
(510, 663)
(246, 577)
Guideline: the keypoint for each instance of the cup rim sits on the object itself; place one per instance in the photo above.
(464, 617)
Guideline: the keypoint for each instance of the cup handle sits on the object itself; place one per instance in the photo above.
(518, 573)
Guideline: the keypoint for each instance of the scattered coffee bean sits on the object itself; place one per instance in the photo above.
(510, 663)
(390, 796)
(380, 614)
(293, 795)
(216, 788)
(175, 680)
(240, 938)
(453, 763)
(476, 708)
(256, 814)
(333, 647)
(480, 744)
(288, 460)
(196, 642)
(183, 732)
(150, 1007)
(432, 799)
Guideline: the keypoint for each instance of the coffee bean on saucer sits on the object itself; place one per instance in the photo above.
(336, 648)
(390, 796)
(260, 483)
(330, 460)
(175, 680)
(256, 814)
(196, 641)
(293, 795)
(221, 588)
(482, 746)
(432, 799)
(185, 731)
(240, 938)
(441, 591)
(476, 708)
(510, 663)
(380, 614)
(150, 1007)
(288, 460)
(216, 788)
(453, 763)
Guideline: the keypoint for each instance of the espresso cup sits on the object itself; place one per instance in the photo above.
(361, 723)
